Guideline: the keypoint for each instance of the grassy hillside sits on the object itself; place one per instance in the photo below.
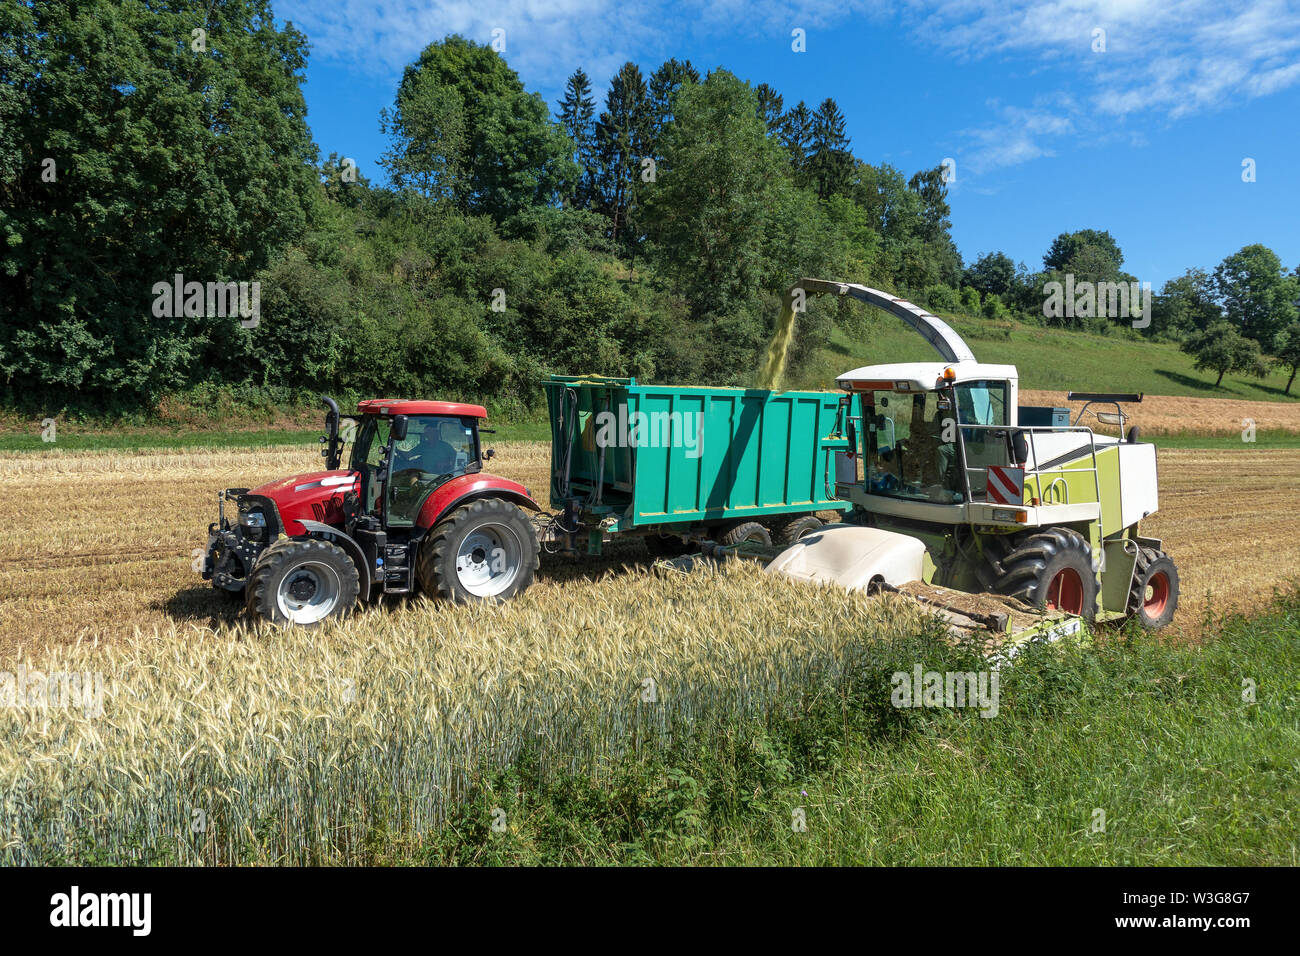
(1050, 359)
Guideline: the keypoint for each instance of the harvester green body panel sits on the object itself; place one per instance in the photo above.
(647, 455)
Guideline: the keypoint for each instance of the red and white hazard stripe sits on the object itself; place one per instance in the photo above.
(1006, 486)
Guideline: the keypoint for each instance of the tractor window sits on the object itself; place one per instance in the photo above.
(911, 446)
(436, 448)
(349, 427)
(367, 454)
(371, 441)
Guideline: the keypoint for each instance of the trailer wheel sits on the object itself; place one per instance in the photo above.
(302, 581)
(1052, 570)
(1153, 596)
(483, 551)
(788, 532)
(750, 531)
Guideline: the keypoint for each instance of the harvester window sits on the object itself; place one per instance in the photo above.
(982, 403)
(911, 447)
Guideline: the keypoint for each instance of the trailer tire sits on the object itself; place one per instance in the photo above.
(302, 581)
(745, 531)
(1052, 569)
(1153, 595)
(483, 551)
(788, 532)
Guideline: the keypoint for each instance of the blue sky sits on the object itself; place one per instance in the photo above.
(1145, 138)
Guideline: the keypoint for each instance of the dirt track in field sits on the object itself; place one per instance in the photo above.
(98, 545)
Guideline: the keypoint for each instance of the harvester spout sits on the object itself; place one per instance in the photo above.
(937, 332)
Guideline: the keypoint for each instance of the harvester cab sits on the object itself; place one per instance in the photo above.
(955, 484)
(412, 510)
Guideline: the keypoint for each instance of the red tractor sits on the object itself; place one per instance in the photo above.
(413, 505)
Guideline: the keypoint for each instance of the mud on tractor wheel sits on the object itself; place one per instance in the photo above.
(1153, 595)
(1051, 569)
(483, 551)
(302, 581)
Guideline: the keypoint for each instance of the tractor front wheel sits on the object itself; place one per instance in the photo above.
(1051, 570)
(483, 551)
(302, 581)
(1153, 595)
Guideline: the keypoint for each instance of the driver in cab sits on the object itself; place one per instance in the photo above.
(431, 457)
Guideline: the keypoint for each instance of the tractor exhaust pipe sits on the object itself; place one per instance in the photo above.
(332, 450)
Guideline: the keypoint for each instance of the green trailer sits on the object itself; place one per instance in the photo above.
(679, 464)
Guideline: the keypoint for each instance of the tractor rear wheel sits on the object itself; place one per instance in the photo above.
(1051, 569)
(1153, 595)
(791, 530)
(302, 581)
(483, 551)
(750, 531)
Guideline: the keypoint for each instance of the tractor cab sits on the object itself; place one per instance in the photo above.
(404, 451)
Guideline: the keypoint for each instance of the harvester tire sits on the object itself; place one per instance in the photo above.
(1153, 596)
(483, 551)
(788, 532)
(302, 581)
(1051, 569)
(745, 531)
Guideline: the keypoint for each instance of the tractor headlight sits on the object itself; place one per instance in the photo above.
(253, 523)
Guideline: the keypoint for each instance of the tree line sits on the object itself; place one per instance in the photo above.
(649, 234)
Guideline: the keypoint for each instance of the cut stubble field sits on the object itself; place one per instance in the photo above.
(98, 546)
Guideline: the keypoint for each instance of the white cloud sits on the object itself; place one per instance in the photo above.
(545, 39)
(1162, 60)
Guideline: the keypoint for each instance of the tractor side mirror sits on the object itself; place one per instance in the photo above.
(490, 453)
(399, 428)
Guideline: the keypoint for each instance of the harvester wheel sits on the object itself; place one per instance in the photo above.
(788, 532)
(302, 581)
(750, 531)
(483, 551)
(1153, 596)
(1052, 569)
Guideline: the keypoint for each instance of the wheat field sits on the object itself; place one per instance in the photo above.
(258, 745)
